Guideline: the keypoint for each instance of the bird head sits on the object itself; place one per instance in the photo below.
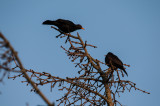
(80, 26)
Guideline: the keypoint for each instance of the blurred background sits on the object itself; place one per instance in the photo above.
(128, 28)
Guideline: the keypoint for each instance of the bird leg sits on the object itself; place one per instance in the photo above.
(67, 38)
(110, 75)
(112, 70)
(85, 44)
(58, 35)
(118, 75)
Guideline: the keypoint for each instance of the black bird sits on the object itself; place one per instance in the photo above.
(114, 62)
(64, 25)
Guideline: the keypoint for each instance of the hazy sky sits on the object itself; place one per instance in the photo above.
(128, 28)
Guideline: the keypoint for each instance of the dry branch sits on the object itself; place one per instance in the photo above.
(93, 86)
(19, 64)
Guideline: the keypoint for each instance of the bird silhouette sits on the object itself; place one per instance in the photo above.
(114, 62)
(64, 25)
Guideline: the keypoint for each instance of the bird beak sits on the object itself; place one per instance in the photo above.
(83, 28)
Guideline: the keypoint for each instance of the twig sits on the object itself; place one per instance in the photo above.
(23, 70)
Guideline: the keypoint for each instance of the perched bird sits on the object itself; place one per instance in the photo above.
(114, 62)
(64, 25)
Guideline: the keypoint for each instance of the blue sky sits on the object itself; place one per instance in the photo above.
(128, 28)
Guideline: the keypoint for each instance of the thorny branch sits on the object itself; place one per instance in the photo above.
(93, 85)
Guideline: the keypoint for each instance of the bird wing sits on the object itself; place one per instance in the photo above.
(118, 63)
(65, 22)
(116, 60)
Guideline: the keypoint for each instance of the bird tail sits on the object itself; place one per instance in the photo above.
(125, 71)
(49, 22)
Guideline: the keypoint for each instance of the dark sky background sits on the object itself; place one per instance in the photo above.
(128, 28)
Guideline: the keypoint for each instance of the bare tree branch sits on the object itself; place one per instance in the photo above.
(93, 86)
(14, 53)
